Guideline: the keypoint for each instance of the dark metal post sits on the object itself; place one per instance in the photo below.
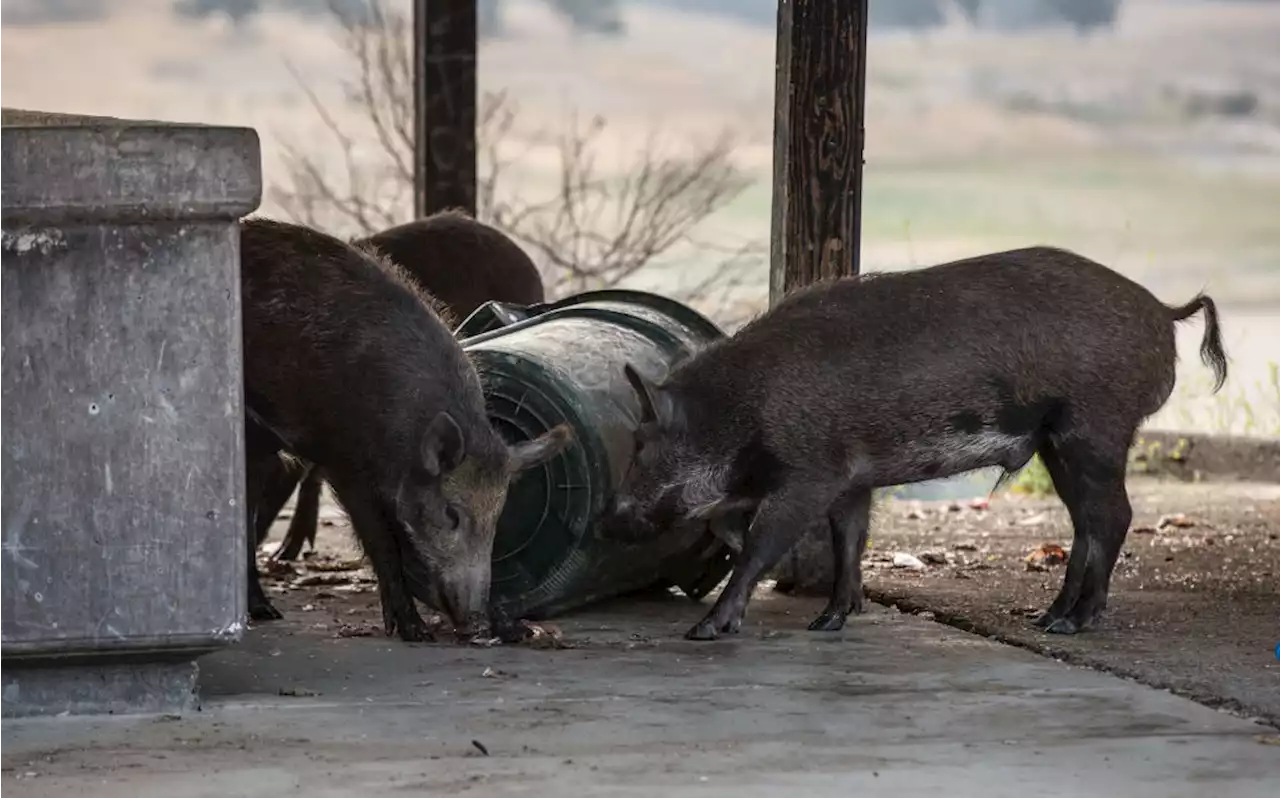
(817, 141)
(444, 43)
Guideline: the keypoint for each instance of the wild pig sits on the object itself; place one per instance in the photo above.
(347, 365)
(888, 379)
(462, 263)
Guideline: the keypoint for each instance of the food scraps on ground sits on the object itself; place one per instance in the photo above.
(1045, 557)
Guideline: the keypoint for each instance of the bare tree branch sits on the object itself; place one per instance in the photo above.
(597, 228)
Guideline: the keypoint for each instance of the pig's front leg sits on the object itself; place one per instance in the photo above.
(777, 525)
(370, 523)
(849, 518)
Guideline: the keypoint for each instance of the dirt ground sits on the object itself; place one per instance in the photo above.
(1195, 599)
(1194, 608)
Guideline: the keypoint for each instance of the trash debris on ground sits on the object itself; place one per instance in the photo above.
(934, 557)
(1175, 520)
(298, 692)
(479, 746)
(1045, 557)
(1034, 520)
(357, 630)
(980, 504)
(908, 561)
(494, 673)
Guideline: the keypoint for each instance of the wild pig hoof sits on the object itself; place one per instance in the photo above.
(413, 630)
(827, 622)
(1045, 619)
(710, 629)
(263, 611)
(1063, 626)
(703, 630)
(407, 623)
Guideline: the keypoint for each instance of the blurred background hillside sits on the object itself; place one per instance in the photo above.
(1142, 133)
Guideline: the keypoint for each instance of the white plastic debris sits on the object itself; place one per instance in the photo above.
(908, 561)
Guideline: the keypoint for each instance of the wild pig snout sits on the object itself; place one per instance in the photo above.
(465, 595)
(620, 520)
(461, 592)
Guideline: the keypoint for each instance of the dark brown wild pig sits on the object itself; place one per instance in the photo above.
(889, 379)
(348, 366)
(462, 263)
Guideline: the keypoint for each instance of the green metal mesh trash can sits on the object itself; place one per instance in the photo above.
(562, 362)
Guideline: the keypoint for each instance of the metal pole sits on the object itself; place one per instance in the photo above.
(444, 43)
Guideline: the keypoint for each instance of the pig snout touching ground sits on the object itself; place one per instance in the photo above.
(888, 379)
(450, 570)
(461, 263)
(349, 367)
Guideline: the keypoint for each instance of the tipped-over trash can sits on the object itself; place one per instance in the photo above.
(562, 362)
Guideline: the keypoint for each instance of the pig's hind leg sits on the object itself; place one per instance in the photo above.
(848, 518)
(778, 524)
(306, 516)
(1089, 476)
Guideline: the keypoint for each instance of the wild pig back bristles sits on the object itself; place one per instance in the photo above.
(401, 275)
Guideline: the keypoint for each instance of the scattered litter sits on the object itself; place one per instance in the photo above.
(1035, 520)
(544, 635)
(908, 561)
(1176, 520)
(298, 692)
(966, 545)
(494, 673)
(479, 746)
(356, 630)
(1045, 557)
(326, 564)
(278, 568)
(980, 504)
(926, 615)
(935, 557)
(485, 642)
(1143, 530)
(308, 607)
(328, 578)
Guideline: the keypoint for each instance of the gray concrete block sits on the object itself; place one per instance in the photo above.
(123, 483)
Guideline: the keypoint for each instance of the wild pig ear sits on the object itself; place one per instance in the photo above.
(442, 445)
(650, 400)
(540, 449)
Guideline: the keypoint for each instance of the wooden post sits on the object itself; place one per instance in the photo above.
(817, 141)
(444, 45)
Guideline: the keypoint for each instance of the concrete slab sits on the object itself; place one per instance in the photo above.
(894, 704)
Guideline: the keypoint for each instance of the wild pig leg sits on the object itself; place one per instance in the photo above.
(1088, 474)
(372, 525)
(279, 480)
(258, 474)
(306, 517)
(848, 518)
(781, 519)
